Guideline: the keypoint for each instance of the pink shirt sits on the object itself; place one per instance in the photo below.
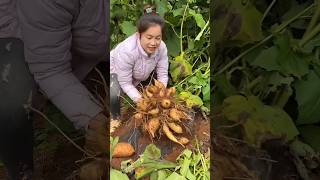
(132, 65)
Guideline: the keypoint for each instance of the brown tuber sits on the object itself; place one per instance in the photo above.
(123, 149)
(165, 103)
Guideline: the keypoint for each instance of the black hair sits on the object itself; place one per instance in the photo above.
(149, 18)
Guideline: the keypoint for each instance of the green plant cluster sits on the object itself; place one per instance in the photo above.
(267, 68)
(187, 34)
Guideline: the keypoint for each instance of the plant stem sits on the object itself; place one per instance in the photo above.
(309, 36)
(172, 26)
(243, 54)
(314, 19)
(190, 75)
(54, 125)
(279, 29)
(183, 17)
(268, 9)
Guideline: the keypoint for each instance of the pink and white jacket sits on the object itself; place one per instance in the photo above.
(132, 64)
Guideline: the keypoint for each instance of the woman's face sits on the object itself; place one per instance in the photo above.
(150, 39)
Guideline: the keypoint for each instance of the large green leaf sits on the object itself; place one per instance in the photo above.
(162, 7)
(281, 58)
(180, 68)
(311, 135)
(290, 61)
(313, 43)
(267, 59)
(301, 148)
(198, 18)
(176, 176)
(223, 85)
(127, 28)
(237, 22)
(190, 99)
(308, 98)
(173, 43)
(259, 121)
(117, 175)
(206, 92)
(152, 152)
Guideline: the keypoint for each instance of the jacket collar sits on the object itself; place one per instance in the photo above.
(142, 51)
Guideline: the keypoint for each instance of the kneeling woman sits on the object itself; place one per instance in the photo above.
(133, 60)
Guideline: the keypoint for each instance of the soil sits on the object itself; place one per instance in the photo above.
(131, 131)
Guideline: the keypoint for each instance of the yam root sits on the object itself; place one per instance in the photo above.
(169, 134)
(183, 140)
(159, 84)
(153, 126)
(160, 111)
(175, 114)
(165, 103)
(175, 127)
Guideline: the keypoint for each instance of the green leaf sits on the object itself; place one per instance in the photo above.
(173, 44)
(301, 149)
(237, 23)
(267, 59)
(162, 175)
(206, 92)
(180, 68)
(259, 121)
(152, 152)
(313, 43)
(162, 7)
(178, 12)
(191, 176)
(143, 171)
(198, 80)
(308, 98)
(224, 85)
(154, 175)
(117, 175)
(127, 28)
(198, 18)
(290, 61)
(185, 167)
(176, 176)
(190, 99)
(311, 135)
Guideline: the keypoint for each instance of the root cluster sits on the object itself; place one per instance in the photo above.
(162, 113)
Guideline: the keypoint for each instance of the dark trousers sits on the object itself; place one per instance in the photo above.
(115, 91)
(16, 89)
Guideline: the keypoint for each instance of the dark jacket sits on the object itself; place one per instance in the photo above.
(63, 41)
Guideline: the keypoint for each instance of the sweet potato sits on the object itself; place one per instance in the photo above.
(123, 149)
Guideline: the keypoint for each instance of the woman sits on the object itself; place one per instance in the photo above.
(133, 60)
